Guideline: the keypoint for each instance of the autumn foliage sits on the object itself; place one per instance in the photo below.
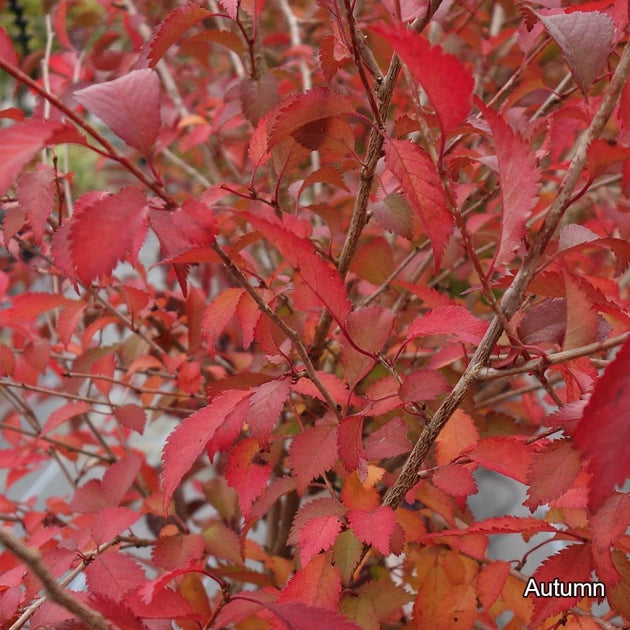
(280, 281)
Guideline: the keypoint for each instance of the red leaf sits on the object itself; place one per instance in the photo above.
(29, 306)
(490, 582)
(320, 276)
(305, 108)
(312, 453)
(129, 105)
(36, 194)
(395, 215)
(608, 525)
(350, 445)
(498, 525)
(171, 552)
(7, 51)
(131, 416)
(316, 584)
(246, 474)
(112, 521)
(423, 189)
(63, 413)
(551, 473)
(447, 83)
(102, 232)
(544, 322)
(423, 385)
(265, 405)
(603, 433)
(170, 29)
(586, 38)
(389, 441)
(509, 456)
(455, 479)
(449, 320)
(319, 534)
(296, 616)
(114, 575)
(218, 314)
(317, 508)
(519, 183)
(374, 528)
(19, 144)
(571, 565)
(189, 439)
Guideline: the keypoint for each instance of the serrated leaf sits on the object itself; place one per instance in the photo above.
(586, 38)
(350, 445)
(423, 189)
(129, 105)
(544, 322)
(246, 473)
(111, 522)
(603, 433)
(296, 616)
(173, 551)
(188, 441)
(374, 528)
(19, 144)
(519, 183)
(452, 320)
(573, 564)
(231, 7)
(389, 441)
(321, 277)
(218, 314)
(170, 29)
(312, 453)
(395, 214)
(318, 583)
(347, 552)
(423, 385)
(97, 242)
(36, 194)
(305, 108)
(455, 479)
(114, 574)
(447, 83)
(551, 473)
(265, 405)
(508, 455)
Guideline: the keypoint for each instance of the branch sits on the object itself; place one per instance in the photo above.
(33, 560)
(286, 329)
(368, 172)
(514, 295)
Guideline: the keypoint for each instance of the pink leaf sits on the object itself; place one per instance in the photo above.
(231, 7)
(455, 479)
(374, 528)
(423, 189)
(131, 416)
(130, 105)
(218, 314)
(189, 439)
(447, 83)
(519, 183)
(315, 509)
(508, 455)
(313, 452)
(586, 38)
(603, 433)
(19, 144)
(63, 413)
(36, 194)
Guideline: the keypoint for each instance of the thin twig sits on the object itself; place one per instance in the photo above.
(33, 560)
